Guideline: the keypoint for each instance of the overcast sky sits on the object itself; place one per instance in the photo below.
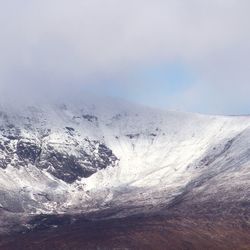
(175, 54)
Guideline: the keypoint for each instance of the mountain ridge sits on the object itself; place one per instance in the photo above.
(116, 160)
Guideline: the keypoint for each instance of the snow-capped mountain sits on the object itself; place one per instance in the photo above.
(90, 156)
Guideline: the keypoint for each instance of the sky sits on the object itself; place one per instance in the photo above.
(172, 54)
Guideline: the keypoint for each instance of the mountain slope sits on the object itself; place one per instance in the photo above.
(111, 159)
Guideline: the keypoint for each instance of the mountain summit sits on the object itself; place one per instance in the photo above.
(68, 164)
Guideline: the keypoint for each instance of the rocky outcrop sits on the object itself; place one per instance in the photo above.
(67, 162)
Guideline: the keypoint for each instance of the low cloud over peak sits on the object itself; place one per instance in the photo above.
(49, 47)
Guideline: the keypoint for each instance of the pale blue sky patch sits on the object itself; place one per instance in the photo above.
(168, 78)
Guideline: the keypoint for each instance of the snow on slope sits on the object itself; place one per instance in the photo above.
(158, 154)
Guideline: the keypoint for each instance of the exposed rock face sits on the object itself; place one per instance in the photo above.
(69, 167)
(85, 160)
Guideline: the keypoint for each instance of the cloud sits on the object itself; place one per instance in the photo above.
(53, 46)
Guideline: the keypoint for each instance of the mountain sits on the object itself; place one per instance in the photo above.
(122, 175)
